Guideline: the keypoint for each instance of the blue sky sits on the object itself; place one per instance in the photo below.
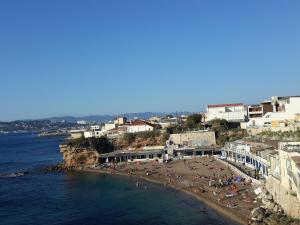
(64, 57)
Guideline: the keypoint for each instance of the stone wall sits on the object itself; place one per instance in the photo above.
(282, 196)
(201, 138)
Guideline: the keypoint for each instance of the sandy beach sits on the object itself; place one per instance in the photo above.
(204, 178)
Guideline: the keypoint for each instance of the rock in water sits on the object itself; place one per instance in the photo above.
(61, 167)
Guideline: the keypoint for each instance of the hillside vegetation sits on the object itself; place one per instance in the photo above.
(142, 139)
(280, 135)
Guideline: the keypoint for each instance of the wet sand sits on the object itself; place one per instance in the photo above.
(203, 178)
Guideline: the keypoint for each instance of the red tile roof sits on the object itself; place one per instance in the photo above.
(139, 123)
(224, 105)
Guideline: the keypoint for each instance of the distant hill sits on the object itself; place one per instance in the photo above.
(106, 118)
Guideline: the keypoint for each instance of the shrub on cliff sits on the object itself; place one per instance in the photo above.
(101, 145)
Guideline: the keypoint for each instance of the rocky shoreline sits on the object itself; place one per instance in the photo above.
(60, 167)
(270, 213)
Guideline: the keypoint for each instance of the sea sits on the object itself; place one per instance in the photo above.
(39, 198)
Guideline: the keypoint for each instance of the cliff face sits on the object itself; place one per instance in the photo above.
(74, 157)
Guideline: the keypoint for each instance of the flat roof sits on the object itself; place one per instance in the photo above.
(131, 152)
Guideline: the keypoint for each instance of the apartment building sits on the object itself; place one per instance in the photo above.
(235, 112)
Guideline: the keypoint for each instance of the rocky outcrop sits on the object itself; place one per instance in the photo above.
(61, 167)
(269, 213)
(75, 157)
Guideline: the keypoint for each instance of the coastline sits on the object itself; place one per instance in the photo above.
(229, 213)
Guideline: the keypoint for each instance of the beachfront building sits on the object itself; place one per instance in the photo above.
(192, 144)
(251, 157)
(139, 126)
(283, 181)
(193, 139)
(276, 114)
(191, 152)
(231, 112)
(133, 156)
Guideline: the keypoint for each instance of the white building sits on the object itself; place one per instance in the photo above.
(93, 133)
(231, 112)
(95, 127)
(250, 154)
(283, 181)
(139, 126)
(285, 110)
(109, 126)
(82, 122)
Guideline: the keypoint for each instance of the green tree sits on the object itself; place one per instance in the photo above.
(219, 125)
(129, 137)
(102, 144)
(193, 121)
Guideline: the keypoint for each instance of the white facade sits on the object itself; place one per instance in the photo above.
(284, 179)
(139, 128)
(284, 109)
(91, 134)
(82, 122)
(109, 126)
(95, 127)
(229, 112)
(240, 152)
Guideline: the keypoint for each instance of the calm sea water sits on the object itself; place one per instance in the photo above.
(82, 198)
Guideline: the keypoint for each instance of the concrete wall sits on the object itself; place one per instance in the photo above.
(200, 138)
(294, 106)
(284, 180)
(281, 195)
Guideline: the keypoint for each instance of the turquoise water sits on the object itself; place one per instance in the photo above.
(83, 198)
